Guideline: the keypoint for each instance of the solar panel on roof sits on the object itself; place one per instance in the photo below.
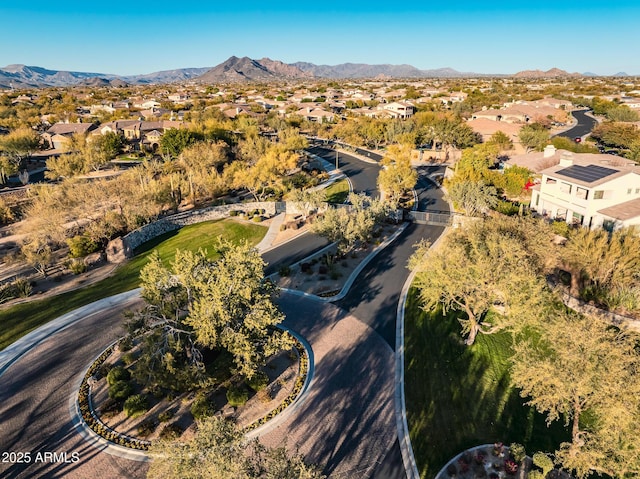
(588, 174)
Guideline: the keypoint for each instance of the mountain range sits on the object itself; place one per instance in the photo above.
(241, 70)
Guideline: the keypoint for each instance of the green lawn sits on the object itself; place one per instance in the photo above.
(337, 192)
(459, 396)
(18, 320)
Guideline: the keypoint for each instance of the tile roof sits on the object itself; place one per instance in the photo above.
(623, 211)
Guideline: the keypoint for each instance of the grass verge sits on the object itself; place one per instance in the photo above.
(459, 396)
(337, 192)
(18, 320)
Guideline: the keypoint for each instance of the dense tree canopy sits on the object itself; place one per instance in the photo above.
(219, 450)
(200, 303)
(396, 176)
(491, 265)
(353, 225)
(580, 370)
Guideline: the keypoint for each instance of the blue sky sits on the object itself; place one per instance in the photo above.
(143, 36)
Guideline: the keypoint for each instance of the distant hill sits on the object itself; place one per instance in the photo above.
(364, 70)
(167, 76)
(245, 69)
(23, 75)
(234, 70)
(552, 73)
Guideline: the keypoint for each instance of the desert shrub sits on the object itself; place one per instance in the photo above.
(306, 268)
(116, 374)
(507, 208)
(323, 270)
(171, 431)
(535, 474)
(257, 219)
(120, 390)
(146, 427)
(561, 228)
(128, 358)
(76, 266)
(136, 405)
(125, 343)
(103, 370)
(165, 415)
(284, 270)
(517, 451)
(201, 407)
(22, 288)
(237, 396)
(81, 245)
(259, 381)
(110, 408)
(543, 461)
(234, 213)
(265, 395)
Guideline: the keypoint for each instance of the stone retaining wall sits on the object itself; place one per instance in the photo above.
(122, 248)
(612, 318)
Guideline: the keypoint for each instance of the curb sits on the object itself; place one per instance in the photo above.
(19, 348)
(354, 274)
(91, 436)
(302, 395)
(408, 457)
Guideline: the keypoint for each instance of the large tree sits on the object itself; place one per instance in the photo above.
(226, 303)
(19, 145)
(174, 140)
(396, 176)
(472, 197)
(264, 173)
(492, 266)
(581, 370)
(353, 225)
(219, 450)
(603, 265)
(533, 137)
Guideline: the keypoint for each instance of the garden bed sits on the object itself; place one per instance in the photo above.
(172, 415)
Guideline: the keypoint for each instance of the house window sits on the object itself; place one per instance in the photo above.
(561, 214)
(637, 191)
(550, 181)
(598, 195)
(565, 188)
(582, 193)
(629, 191)
(577, 219)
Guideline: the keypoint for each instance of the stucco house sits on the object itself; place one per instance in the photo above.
(590, 190)
(398, 109)
(59, 134)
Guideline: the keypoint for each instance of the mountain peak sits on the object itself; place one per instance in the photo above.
(245, 69)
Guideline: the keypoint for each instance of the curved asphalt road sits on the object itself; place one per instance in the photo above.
(585, 124)
(346, 423)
